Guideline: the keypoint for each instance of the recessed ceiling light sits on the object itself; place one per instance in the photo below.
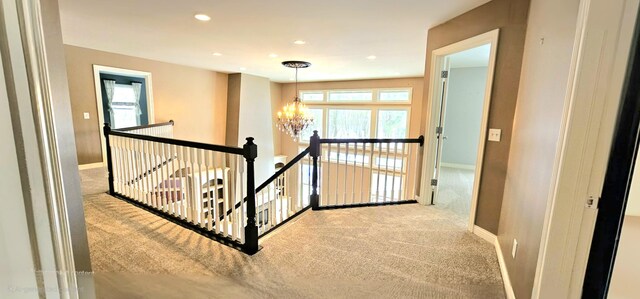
(243, 68)
(217, 54)
(371, 57)
(202, 17)
(272, 55)
(299, 42)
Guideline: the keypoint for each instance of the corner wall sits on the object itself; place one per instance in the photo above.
(192, 97)
(536, 131)
(511, 18)
(249, 115)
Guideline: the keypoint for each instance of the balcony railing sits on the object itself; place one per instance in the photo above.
(211, 188)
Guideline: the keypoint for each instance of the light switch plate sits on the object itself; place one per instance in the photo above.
(86, 115)
(495, 135)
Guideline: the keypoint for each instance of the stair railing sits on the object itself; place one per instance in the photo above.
(364, 172)
(204, 187)
(200, 186)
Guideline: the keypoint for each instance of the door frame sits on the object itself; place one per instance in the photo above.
(97, 70)
(601, 50)
(437, 60)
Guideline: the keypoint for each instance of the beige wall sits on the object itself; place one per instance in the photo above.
(543, 87)
(276, 100)
(286, 145)
(510, 17)
(194, 98)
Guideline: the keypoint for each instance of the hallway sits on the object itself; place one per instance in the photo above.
(393, 251)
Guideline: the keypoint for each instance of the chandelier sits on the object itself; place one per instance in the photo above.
(294, 116)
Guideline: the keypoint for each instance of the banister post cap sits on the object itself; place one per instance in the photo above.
(250, 149)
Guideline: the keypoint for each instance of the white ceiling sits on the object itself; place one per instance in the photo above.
(339, 35)
(475, 57)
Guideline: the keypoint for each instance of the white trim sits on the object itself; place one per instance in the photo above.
(603, 39)
(33, 47)
(374, 109)
(437, 58)
(90, 166)
(493, 240)
(508, 288)
(375, 96)
(97, 69)
(485, 234)
(458, 166)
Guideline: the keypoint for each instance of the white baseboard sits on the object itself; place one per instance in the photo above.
(459, 166)
(484, 234)
(491, 238)
(90, 166)
(508, 288)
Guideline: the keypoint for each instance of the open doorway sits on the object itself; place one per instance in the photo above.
(124, 98)
(461, 90)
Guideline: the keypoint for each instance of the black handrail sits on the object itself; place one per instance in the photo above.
(199, 145)
(249, 151)
(283, 169)
(419, 140)
(169, 123)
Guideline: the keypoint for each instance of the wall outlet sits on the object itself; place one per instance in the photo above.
(86, 115)
(514, 248)
(495, 135)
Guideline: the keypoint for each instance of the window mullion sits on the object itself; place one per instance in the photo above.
(374, 122)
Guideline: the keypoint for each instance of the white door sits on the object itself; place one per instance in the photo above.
(440, 138)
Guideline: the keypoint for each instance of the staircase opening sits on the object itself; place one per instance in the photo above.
(211, 189)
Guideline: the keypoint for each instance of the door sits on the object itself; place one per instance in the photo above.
(131, 109)
(459, 100)
(440, 138)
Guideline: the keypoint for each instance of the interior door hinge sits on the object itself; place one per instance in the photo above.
(592, 202)
(444, 74)
(439, 130)
(434, 182)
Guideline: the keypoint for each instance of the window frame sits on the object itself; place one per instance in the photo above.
(375, 96)
(374, 110)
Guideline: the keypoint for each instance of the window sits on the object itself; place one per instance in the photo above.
(358, 113)
(387, 96)
(392, 123)
(351, 96)
(400, 95)
(312, 96)
(317, 124)
(349, 123)
(123, 104)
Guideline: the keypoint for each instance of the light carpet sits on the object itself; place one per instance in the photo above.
(404, 251)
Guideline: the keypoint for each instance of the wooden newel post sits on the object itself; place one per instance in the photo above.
(251, 229)
(314, 152)
(107, 131)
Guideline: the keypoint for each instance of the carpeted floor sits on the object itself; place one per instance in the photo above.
(455, 188)
(406, 251)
